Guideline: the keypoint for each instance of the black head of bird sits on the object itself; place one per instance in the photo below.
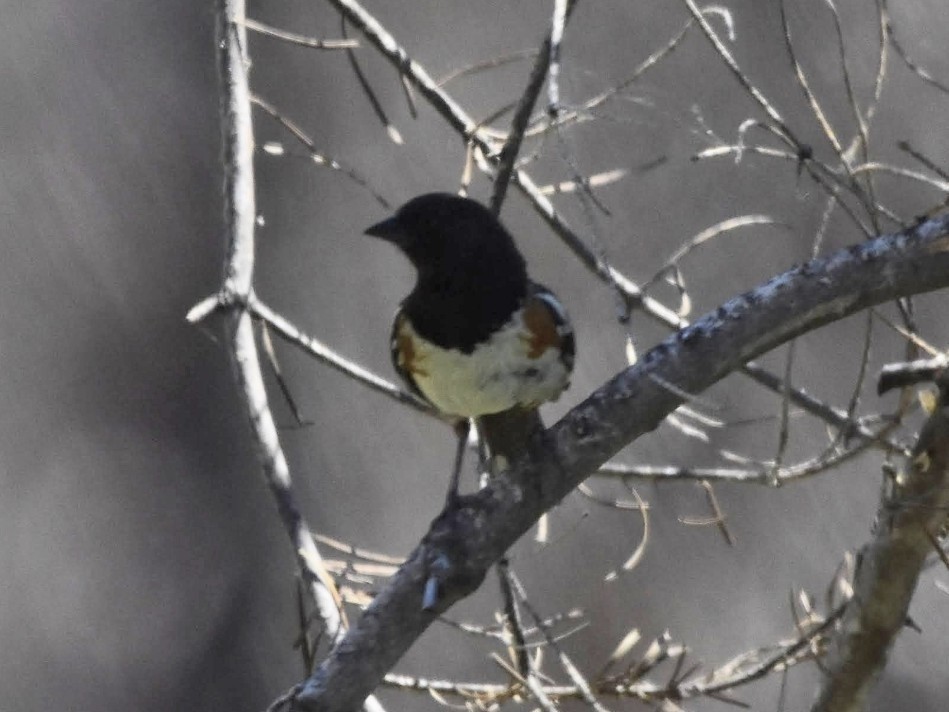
(445, 234)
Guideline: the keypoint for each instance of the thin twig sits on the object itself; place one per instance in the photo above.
(271, 355)
(862, 368)
(764, 476)
(729, 676)
(314, 154)
(802, 82)
(294, 38)
(367, 89)
(287, 331)
(596, 180)
(784, 131)
(492, 63)
(513, 624)
(925, 160)
(359, 552)
(632, 561)
(879, 167)
(522, 114)
(721, 520)
(784, 429)
(914, 66)
(579, 681)
(710, 233)
(572, 114)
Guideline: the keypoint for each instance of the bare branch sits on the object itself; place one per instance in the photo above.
(315, 155)
(906, 374)
(576, 113)
(783, 130)
(742, 670)
(579, 681)
(914, 66)
(487, 64)
(287, 331)
(632, 561)
(239, 220)
(367, 89)
(879, 167)
(294, 38)
(926, 161)
(801, 78)
(597, 180)
(767, 476)
(240, 216)
(782, 658)
(914, 506)
(713, 231)
(464, 543)
(862, 136)
(514, 627)
(784, 429)
(522, 113)
(277, 372)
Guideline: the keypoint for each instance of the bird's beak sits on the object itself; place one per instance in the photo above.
(389, 229)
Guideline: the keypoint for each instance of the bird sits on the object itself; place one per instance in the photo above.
(476, 336)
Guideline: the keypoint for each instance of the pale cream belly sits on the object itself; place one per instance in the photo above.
(496, 376)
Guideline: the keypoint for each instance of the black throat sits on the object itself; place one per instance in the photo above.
(462, 299)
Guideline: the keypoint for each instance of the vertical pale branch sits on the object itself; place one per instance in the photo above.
(911, 514)
(239, 221)
(237, 133)
(556, 38)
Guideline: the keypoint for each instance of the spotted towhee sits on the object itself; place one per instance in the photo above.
(475, 336)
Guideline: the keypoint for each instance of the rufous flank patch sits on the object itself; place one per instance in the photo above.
(541, 327)
(405, 347)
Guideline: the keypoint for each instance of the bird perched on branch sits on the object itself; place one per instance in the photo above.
(476, 336)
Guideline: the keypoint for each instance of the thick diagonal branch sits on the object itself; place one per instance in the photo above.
(462, 547)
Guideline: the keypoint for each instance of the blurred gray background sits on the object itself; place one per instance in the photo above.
(142, 563)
